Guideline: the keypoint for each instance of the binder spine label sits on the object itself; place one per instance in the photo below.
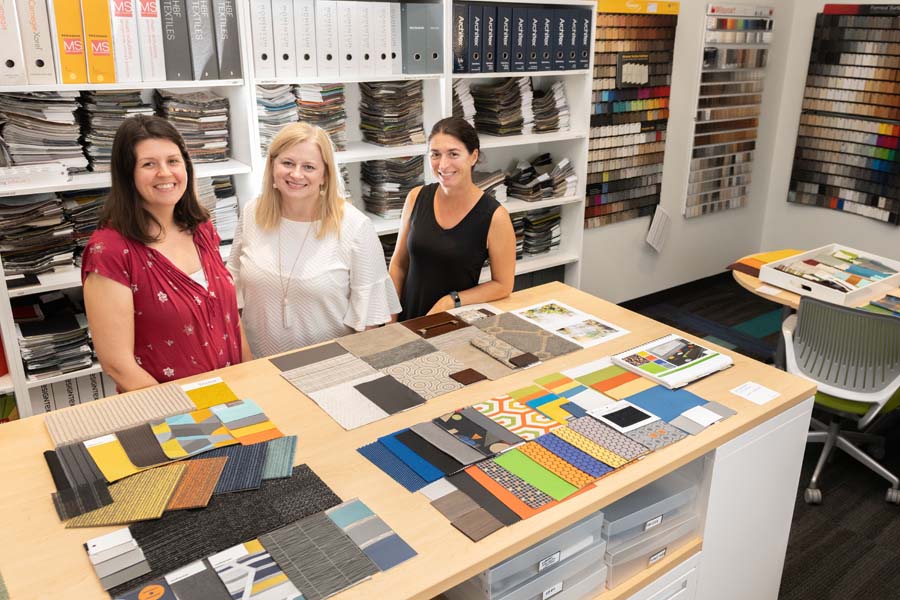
(490, 39)
(228, 45)
(504, 38)
(460, 55)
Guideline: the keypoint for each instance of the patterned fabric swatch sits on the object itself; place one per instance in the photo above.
(307, 357)
(608, 437)
(396, 469)
(574, 456)
(377, 340)
(197, 581)
(547, 403)
(244, 469)
(347, 406)
(447, 443)
(422, 467)
(526, 336)
(108, 415)
(554, 463)
(197, 484)
(472, 315)
(497, 349)
(521, 489)
(280, 457)
(373, 536)
(458, 345)
(428, 375)
(250, 573)
(110, 457)
(328, 373)
(665, 403)
(318, 557)
(602, 454)
(140, 497)
(191, 433)
(209, 393)
(141, 446)
(246, 421)
(656, 435)
(522, 510)
(473, 428)
(517, 417)
(399, 354)
(547, 481)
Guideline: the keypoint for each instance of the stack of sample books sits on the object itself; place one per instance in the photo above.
(391, 113)
(82, 209)
(504, 108)
(551, 109)
(388, 245)
(225, 211)
(323, 104)
(35, 235)
(463, 102)
(541, 230)
(385, 183)
(202, 119)
(540, 179)
(103, 112)
(59, 343)
(40, 127)
(493, 183)
(518, 221)
(276, 106)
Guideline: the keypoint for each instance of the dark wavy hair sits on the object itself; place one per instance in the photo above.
(124, 210)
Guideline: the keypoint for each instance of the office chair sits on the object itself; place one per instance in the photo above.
(854, 358)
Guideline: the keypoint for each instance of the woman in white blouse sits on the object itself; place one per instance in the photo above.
(309, 265)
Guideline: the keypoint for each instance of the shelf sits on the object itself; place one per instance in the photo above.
(493, 141)
(368, 78)
(61, 278)
(495, 74)
(32, 382)
(651, 574)
(587, 3)
(530, 264)
(360, 151)
(6, 384)
(132, 85)
(383, 226)
(90, 180)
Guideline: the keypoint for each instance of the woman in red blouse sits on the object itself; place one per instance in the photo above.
(160, 302)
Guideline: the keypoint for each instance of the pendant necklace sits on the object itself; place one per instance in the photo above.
(286, 286)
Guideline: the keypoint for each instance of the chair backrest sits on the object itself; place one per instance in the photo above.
(846, 347)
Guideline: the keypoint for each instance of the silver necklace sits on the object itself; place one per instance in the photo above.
(286, 286)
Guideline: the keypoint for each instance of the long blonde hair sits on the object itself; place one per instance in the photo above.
(331, 204)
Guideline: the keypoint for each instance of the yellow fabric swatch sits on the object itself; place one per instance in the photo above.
(553, 410)
(210, 394)
(590, 447)
(111, 458)
(631, 388)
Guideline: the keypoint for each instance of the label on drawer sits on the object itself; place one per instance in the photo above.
(552, 591)
(548, 562)
(656, 557)
(653, 523)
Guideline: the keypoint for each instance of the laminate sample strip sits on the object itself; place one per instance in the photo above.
(526, 336)
(197, 484)
(393, 467)
(303, 358)
(318, 557)
(244, 469)
(656, 435)
(427, 375)
(280, 457)
(373, 536)
(347, 405)
(249, 572)
(477, 524)
(516, 416)
(389, 395)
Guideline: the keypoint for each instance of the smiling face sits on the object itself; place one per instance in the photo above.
(451, 161)
(299, 173)
(160, 174)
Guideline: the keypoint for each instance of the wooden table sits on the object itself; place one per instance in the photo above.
(753, 462)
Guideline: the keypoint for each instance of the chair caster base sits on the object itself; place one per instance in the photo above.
(814, 496)
(893, 496)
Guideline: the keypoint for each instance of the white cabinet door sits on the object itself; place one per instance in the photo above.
(678, 584)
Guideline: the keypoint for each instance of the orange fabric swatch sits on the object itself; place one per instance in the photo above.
(197, 484)
(553, 463)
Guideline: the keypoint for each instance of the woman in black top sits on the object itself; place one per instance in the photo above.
(448, 229)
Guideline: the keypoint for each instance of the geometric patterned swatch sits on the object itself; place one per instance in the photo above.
(109, 456)
(502, 494)
(427, 375)
(244, 468)
(246, 421)
(573, 455)
(517, 417)
(590, 447)
(373, 536)
(318, 557)
(250, 573)
(656, 435)
(543, 401)
(555, 464)
(140, 497)
(526, 336)
(608, 437)
(191, 433)
(280, 457)
(521, 489)
(197, 484)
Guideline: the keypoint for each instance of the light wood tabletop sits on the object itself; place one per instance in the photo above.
(41, 559)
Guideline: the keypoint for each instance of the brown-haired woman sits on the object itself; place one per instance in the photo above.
(309, 265)
(160, 303)
(449, 228)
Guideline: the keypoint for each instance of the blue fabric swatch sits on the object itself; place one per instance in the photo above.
(348, 513)
(665, 403)
(422, 467)
(389, 552)
(573, 409)
(243, 470)
(573, 455)
(385, 460)
(536, 403)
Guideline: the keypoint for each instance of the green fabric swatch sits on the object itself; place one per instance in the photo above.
(548, 482)
(280, 457)
(525, 391)
(601, 375)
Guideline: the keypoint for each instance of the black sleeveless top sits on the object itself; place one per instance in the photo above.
(443, 260)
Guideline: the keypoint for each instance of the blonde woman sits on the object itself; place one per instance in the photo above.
(309, 265)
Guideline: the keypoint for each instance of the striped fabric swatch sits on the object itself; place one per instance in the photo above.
(396, 469)
(244, 469)
(70, 500)
(576, 392)
(197, 484)
(108, 415)
(557, 465)
(380, 339)
(138, 498)
(574, 456)
(328, 373)
(517, 417)
(209, 392)
(250, 573)
(608, 437)
(373, 536)
(246, 421)
(318, 557)
(590, 447)
(280, 457)
(190, 433)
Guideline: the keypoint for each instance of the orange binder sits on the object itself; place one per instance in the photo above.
(70, 41)
(98, 41)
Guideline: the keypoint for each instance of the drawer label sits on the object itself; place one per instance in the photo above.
(548, 562)
(656, 557)
(552, 591)
(653, 523)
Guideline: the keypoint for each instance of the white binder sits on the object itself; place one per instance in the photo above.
(285, 47)
(396, 39)
(348, 38)
(263, 43)
(36, 43)
(381, 37)
(150, 37)
(366, 58)
(12, 60)
(123, 23)
(305, 37)
(327, 61)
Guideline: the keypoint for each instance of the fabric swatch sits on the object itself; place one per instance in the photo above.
(124, 578)
(548, 482)
(608, 437)
(574, 409)
(309, 356)
(656, 435)
(447, 443)
(191, 433)
(601, 375)
(77, 464)
(546, 403)
(371, 534)
(523, 360)
(195, 489)
(209, 392)
(249, 572)
(467, 376)
(181, 537)
(110, 457)
(244, 468)
(474, 429)
(470, 315)
(399, 354)
(458, 345)
(437, 489)
(665, 403)
(572, 455)
(389, 395)
(687, 425)
(396, 469)
(517, 417)
(510, 500)
(328, 373)
(455, 504)
(197, 581)
(318, 557)
(430, 326)
(246, 421)
(499, 350)
(435, 456)
(139, 497)
(477, 524)
(477, 492)
(71, 501)
(521, 489)
(422, 467)
(373, 341)
(347, 405)
(720, 409)
(157, 589)
(604, 455)
(554, 463)
(141, 446)
(280, 457)
(428, 375)
(526, 336)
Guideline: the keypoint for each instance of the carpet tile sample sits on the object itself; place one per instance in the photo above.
(110, 457)
(244, 469)
(377, 340)
(246, 421)
(656, 435)
(195, 489)
(181, 537)
(435, 456)
(399, 354)
(517, 417)
(458, 345)
(428, 375)
(347, 405)
(197, 581)
(486, 500)
(498, 349)
(424, 469)
(521, 489)
(328, 373)
(280, 457)
(306, 357)
(141, 446)
(72, 500)
(389, 395)
(510, 500)
(608, 437)
(139, 497)
(604, 455)
(665, 403)
(446, 442)
(548, 482)
(191, 433)
(526, 336)
(554, 463)
(209, 392)
(249, 572)
(158, 589)
(373, 536)
(478, 431)
(396, 469)
(477, 524)
(574, 456)
(318, 557)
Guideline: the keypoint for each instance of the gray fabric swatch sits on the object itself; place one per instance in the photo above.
(685, 424)
(328, 373)
(141, 446)
(477, 524)
(447, 442)
(377, 340)
(399, 354)
(125, 576)
(119, 563)
(302, 358)
(280, 457)
(204, 585)
(720, 409)
(79, 467)
(526, 336)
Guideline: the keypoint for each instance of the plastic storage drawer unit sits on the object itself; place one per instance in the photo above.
(631, 557)
(652, 506)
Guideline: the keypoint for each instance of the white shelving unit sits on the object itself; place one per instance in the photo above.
(246, 164)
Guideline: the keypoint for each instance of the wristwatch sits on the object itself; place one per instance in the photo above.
(456, 301)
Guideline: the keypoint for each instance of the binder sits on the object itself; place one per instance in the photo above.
(381, 38)
(504, 38)
(348, 27)
(12, 59)
(434, 38)
(545, 39)
(414, 21)
(396, 39)
(460, 34)
(532, 39)
(305, 37)
(572, 41)
(228, 42)
(560, 21)
(474, 33)
(66, 27)
(366, 41)
(204, 58)
(125, 40)
(584, 37)
(37, 45)
(176, 46)
(489, 34)
(150, 40)
(283, 39)
(98, 41)
(520, 38)
(326, 38)
(263, 42)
